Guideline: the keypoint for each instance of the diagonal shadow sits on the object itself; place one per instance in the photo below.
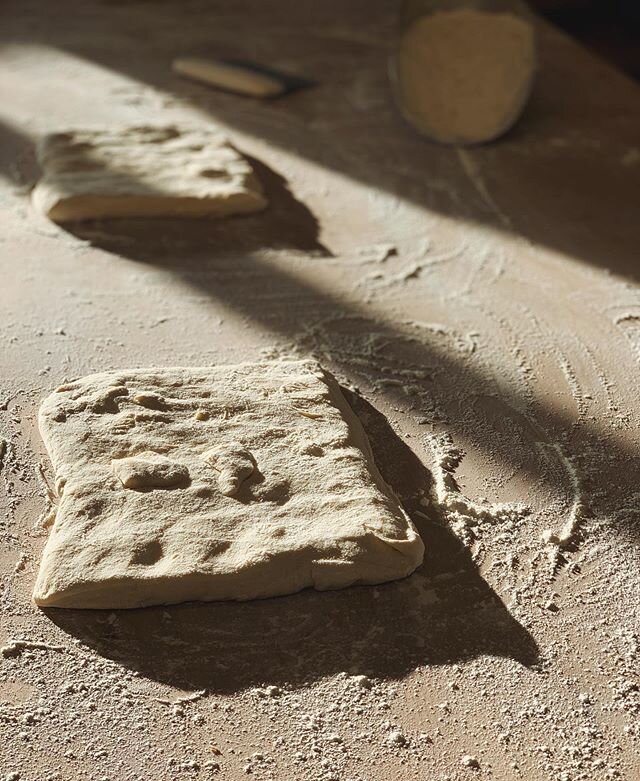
(226, 259)
(443, 613)
(552, 203)
(229, 260)
(287, 224)
(559, 178)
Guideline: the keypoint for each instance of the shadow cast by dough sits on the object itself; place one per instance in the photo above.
(443, 613)
(286, 223)
(230, 263)
(541, 175)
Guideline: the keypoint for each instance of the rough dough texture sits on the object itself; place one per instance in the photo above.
(143, 172)
(464, 76)
(229, 482)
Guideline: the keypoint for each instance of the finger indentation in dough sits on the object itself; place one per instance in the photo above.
(276, 489)
(149, 553)
(108, 401)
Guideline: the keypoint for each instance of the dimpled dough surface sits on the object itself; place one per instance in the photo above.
(143, 172)
(229, 482)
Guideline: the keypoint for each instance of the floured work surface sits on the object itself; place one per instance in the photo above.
(143, 172)
(519, 343)
(230, 482)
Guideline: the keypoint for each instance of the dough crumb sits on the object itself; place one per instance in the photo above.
(149, 470)
(550, 538)
(151, 400)
(397, 738)
(234, 463)
(362, 681)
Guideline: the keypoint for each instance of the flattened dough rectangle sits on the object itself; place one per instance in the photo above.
(228, 482)
(143, 172)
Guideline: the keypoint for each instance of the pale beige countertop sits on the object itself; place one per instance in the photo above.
(485, 304)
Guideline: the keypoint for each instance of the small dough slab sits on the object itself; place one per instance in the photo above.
(143, 172)
(220, 483)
